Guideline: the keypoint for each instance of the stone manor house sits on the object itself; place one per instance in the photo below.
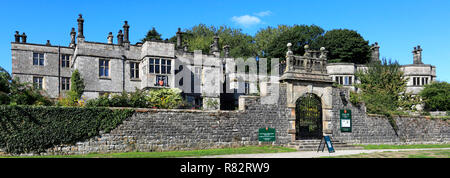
(109, 67)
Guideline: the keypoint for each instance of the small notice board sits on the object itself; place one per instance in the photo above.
(266, 134)
(346, 120)
(326, 140)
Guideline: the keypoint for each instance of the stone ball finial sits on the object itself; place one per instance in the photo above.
(306, 47)
(289, 44)
(322, 49)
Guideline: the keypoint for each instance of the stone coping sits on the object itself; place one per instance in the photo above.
(145, 110)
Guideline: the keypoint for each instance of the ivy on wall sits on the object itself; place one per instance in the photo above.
(32, 129)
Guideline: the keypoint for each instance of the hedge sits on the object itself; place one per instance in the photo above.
(33, 129)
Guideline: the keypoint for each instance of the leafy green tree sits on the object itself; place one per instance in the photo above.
(264, 37)
(13, 92)
(5, 80)
(298, 35)
(436, 96)
(344, 46)
(383, 88)
(152, 35)
(200, 37)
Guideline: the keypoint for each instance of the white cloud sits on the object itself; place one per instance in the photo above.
(246, 20)
(263, 13)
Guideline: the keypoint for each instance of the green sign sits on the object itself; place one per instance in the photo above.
(266, 134)
(346, 120)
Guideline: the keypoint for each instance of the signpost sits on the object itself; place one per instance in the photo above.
(326, 140)
(346, 120)
(266, 134)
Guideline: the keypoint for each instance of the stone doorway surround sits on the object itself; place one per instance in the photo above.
(307, 74)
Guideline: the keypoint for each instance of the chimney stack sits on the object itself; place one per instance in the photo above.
(72, 38)
(185, 47)
(17, 37)
(48, 43)
(375, 49)
(80, 21)
(126, 30)
(417, 55)
(120, 38)
(226, 50)
(110, 38)
(24, 38)
(179, 39)
(215, 46)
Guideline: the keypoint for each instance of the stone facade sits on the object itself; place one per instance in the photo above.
(135, 66)
(114, 68)
(418, 73)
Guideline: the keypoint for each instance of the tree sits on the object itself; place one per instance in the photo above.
(298, 35)
(152, 35)
(5, 80)
(200, 37)
(344, 46)
(383, 88)
(264, 37)
(77, 86)
(13, 92)
(436, 96)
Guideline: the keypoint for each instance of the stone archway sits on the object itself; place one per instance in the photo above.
(307, 75)
(308, 121)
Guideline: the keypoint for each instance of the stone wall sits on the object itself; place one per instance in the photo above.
(163, 130)
(376, 129)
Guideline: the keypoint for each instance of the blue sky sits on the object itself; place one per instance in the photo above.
(397, 25)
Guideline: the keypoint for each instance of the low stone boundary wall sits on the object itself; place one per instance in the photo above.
(164, 130)
(376, 129)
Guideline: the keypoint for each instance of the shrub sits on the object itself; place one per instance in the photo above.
(32, 129)
(158, 98)
(436, 96)
(77, 86)
(15, 93)
(165, 98)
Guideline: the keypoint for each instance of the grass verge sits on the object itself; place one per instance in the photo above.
(174, 154)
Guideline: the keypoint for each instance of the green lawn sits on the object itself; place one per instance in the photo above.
(174, 154)
(372, 147)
